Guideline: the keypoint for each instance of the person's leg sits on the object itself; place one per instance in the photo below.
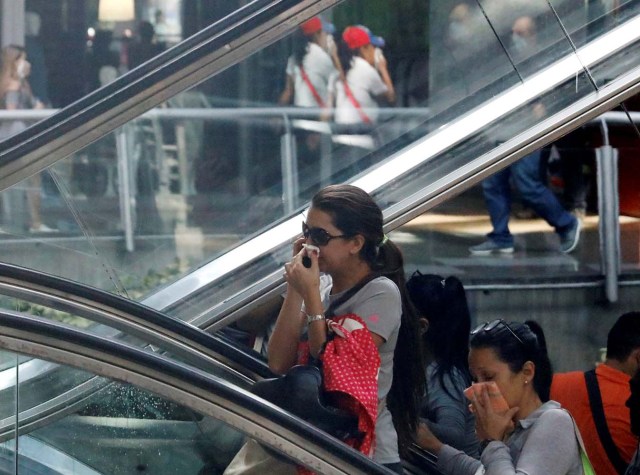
(575, 159)
(33, 198)
(497, 196)
(526, 176)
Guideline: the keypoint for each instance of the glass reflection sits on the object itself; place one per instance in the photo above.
(117, 429)
(186, 182)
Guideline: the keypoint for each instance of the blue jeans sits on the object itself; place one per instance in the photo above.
(526, 177)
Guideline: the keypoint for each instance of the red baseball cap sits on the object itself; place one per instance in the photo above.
(312, 26)
(355, 37)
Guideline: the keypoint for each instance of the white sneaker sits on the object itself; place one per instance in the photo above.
(489, 247)
(43, 228)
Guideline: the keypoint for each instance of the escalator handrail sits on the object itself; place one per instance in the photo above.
(218, 46)
(132, 317)
(36, 337)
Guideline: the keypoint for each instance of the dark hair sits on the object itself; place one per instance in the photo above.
(300, 46)
(345, 54)
(146, 31)
(444, 303)
(624, 336)
(354, 212)
(533, 347)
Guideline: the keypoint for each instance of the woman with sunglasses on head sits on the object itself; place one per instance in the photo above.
(534, 436)
(446, 322)
(364, 276)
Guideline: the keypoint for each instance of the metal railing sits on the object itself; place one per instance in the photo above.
(292, 119)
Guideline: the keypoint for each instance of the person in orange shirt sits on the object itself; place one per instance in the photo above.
(612, 389)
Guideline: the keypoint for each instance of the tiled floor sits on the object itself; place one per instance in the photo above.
(438, 242)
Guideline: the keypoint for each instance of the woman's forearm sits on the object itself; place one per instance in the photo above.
(390, 95)
(317, 329)
(283, 343)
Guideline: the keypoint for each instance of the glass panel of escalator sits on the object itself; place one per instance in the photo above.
(97, 44)
(8, 402)
(599, 17)
(122, 428)
(216, 166)
(44, 386)
(116, 429)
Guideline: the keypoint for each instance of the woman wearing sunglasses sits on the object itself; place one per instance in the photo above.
(535, 436)
(364, 276)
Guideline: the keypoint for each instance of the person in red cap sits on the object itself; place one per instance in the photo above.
(309, 71)
(365, 84)
(311, 66)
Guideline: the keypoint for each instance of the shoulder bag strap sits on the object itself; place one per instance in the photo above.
(347, 90)
(586, 463)
(348, 294)
(313, 90)
(597, 410)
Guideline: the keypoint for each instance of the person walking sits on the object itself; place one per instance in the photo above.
(366, 278)
(15, 94)
(497, 194)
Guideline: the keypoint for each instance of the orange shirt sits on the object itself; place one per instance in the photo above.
(570, 390)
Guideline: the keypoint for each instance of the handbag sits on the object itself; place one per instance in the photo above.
(300, 391)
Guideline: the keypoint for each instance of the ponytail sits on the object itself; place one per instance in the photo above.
(409, 385)
(544, 370)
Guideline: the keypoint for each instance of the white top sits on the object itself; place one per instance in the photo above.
(319, 68)
(365, 84)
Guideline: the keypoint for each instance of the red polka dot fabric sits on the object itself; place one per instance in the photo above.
(350, 365)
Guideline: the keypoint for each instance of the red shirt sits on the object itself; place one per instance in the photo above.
(570, 390)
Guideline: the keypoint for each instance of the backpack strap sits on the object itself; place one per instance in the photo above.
(313, 90)
(347, 90)
(597, 410)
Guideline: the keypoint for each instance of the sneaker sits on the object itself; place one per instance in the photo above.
(43, 228)
(489, 246)
(569, 240)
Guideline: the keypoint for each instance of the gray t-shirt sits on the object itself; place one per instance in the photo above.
(544, 443)
(379, 304)
(446, 412)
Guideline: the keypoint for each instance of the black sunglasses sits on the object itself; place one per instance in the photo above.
(319, 236)
(490, 326)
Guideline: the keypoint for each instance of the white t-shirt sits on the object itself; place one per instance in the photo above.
(319, 68)
(365, 84)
